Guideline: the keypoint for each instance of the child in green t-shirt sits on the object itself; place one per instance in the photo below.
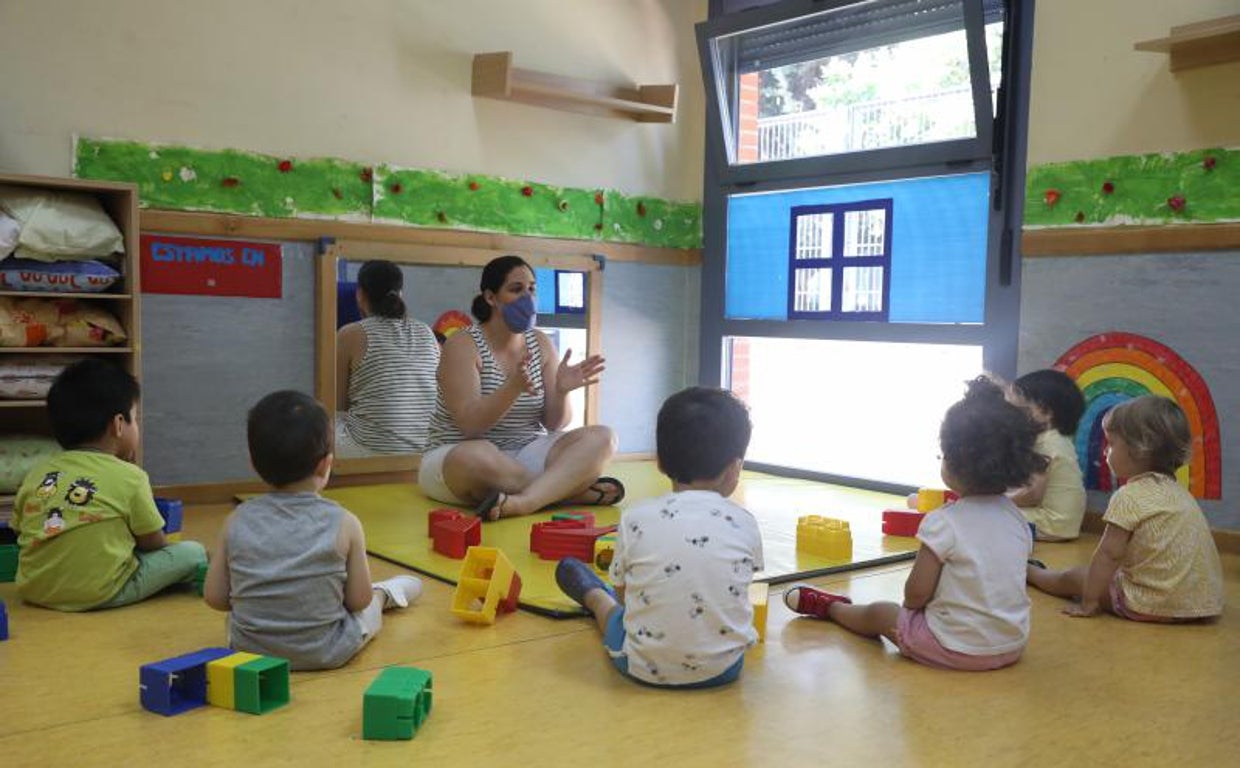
(90, 534)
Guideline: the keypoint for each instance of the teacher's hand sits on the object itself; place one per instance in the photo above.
(520, 379)
(583, 374)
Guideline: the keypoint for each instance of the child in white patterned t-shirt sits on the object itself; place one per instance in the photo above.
(680, 615)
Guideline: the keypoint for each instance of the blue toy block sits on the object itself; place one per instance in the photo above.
(170, 510)
(4, 622)
(175, 685)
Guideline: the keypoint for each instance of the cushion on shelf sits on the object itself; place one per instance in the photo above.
(60, 225)
(30, 377)
(58, 323)
(10, 229)
(69, 276)
(19, 454)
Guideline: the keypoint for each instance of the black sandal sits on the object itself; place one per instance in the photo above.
(602, 500)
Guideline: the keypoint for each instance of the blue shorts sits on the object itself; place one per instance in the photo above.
(613, 641)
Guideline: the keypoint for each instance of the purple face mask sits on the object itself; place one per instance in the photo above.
(520, 315)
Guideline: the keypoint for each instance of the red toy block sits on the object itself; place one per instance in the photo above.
(439, 515)
(558, 539)
(453, 533)
(901, 522)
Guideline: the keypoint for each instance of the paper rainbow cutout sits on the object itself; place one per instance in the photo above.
(1113, 367)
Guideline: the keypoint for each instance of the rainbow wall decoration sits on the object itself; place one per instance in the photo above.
(1113, 367)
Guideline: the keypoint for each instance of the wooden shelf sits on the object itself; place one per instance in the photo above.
(1199, 45)
(495, 78)
(23, 403)
(64, 350)
(58, 295)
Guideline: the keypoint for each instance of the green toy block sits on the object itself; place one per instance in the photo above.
(396, 703)
(261, 685)
(8, 562)
(572, 516)
(200, 579)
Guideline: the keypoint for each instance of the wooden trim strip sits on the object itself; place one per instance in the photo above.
(260, 228)
(1096, 241)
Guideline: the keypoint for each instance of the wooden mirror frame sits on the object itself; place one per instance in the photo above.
(325, 279)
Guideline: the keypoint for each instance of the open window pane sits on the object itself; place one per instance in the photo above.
(866, 76)
(862, 290)
(858, 409)
(813, 290)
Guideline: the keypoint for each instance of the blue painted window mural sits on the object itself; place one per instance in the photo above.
(839, 261)
(921, 260)
(559, 291)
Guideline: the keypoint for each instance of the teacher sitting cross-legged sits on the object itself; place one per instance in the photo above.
(494, 441)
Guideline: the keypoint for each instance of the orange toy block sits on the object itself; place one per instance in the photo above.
(824, 536)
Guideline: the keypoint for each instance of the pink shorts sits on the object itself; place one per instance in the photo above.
(1120, 608)
(919, 644)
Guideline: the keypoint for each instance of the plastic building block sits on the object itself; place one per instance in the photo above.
(261, 685)
(585, 517)
(200, 579)
(759, 595)
(221, 679)
(488, 584)
(824, 536)
(4, 621)
(171, 511)
(8, 562)
(179, 684)
(930, 499)
(396, 703)
(604, 551)
(452, 533)
(558, 539)
(901, 522)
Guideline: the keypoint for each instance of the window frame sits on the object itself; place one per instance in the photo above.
(998, 149)
(839, 261)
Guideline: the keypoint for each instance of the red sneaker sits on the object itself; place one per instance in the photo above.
(811, 601)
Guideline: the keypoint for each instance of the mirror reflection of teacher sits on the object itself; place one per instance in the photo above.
(385, 370)
(494, 441)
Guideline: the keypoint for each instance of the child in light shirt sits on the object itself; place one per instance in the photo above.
(965, 605)
(1157, 560)
(1054, 500)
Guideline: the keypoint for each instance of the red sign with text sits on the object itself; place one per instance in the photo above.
(196, 266)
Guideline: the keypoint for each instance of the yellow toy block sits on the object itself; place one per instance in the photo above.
(221, 679)
(604, 551)
(930, 499)
(824, 536)
(759, 594)
(488, 584)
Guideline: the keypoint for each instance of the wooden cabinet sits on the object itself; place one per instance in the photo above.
(120, 201)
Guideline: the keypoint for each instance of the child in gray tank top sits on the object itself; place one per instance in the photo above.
(290, 566)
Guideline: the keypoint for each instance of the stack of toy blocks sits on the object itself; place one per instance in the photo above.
(759, 597)
(4, 621)
(824, 536)
(217, 676)
(488, 584)
(572, 537)
(171, 511)
(906, 522)
(452, 533)
(396, 703)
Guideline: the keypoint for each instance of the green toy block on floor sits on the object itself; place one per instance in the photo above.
(261, 685)
(8, 562)
(200, 579)
(396, 703)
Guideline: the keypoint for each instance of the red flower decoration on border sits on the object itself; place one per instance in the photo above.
(528, 191)
(285, 166)
(1209, 162)
(1177, 203)
(473, 186)
(1108, 187)
(1050, 197)
(230, 182)
(368, 174)
(397, 188)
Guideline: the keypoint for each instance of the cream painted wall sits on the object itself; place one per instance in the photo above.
(1094, 96)
(377, 80)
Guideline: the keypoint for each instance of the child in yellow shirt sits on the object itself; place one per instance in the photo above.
(89, 532)
(1157, 560)
(1054, 500)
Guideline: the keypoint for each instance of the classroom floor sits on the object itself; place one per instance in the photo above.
(531, 691)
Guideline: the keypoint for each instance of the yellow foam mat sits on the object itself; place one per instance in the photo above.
(394, 517)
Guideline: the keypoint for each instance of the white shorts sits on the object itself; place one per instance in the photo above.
(430, 475)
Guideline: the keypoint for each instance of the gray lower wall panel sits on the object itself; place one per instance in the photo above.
(1185, 301)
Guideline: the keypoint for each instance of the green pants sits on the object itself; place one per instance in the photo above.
(159, 569)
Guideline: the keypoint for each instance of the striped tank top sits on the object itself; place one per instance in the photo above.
(521, 425)
(392, 389)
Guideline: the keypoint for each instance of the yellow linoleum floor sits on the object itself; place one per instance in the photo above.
(531, 691)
